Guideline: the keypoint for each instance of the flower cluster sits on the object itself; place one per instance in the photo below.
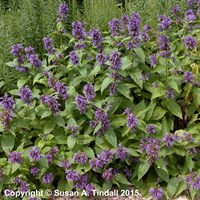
(164, 44)
(63, 12)
(170, 138)
(78, 31)
(131, 120)
(26, 94)
(49, 46)
(80, 157)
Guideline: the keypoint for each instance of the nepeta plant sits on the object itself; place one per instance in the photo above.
(106, 109)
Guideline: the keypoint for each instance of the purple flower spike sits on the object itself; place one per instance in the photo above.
(122, 152)
(78, 31)
(35, 61)
(156, 193)
(153, 60)
(72, 175)
(26, 94)
(7, 102)
(165, 22)
(114, 27)
(169, 139)
(6, 117)
(15, 157)
(151, 128)
(29, 51)
(74, 57)
(80, 158)
(81, 103)
(134, 25)
(89, 91)
(109, 174)
(16, 49)
(96, 37)
(115, 59)
(48, 44)
(101, 59)
(188, 77)
(132, 121)
(34, 154)
(169, 94)
(190, 42)
(190, 16)
(63, 11)
(34, 171)
(47, 178)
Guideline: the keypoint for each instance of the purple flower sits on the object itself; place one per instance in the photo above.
(74, 57)
(63, 11)
(34, 171)
(54, 151)
(114, 27)
(26, 94)
(16, 50)
(89, 91)
(188, 77)
(191, 3)
(6, 117)
(116, 76)
(124, 21)
(131, 121)
(65, 164)
(165, 22)
(169, 139)
(112, 88)
(29, 51)
(134, 25)
(188, 137)
(33, 198)
(151, 147)
(79, 46)
(153, 60)
(21, 69)
(80, 158)
(34, 154)
(51, 101)
(23, 186)
(127, 111)
(164, 44)
(49, 158)
(7, 102)
(145, 37)
(100, 115)
(48, 44)
(146, 27)
(127, 172)
(189, 15)
(107, 155)
(73, 129)
(115, 59)
(78, 31)
(35, 61)
(72, 175)
(169, 94)
(82, 183)
(101, 59)
(190, 42)
(89, 189)
(47, 178)
(98, 163)
(96, 37)
(61, 88)
(109, 174)
(151, 128)
(176, 10)
(15, 157)
(156, 193)
(122, 152)
(81, 103)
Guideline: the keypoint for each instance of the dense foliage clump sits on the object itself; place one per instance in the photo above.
(112, 109)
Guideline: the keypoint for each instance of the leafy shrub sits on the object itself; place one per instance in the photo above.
(106, 109)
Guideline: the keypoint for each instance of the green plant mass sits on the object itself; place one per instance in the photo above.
(100, 110)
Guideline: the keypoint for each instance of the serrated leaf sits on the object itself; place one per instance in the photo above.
(143, 169)
(7, 143)
(173, 107)
(111, 137)
(140, 53)
(122, 179)
(105, 83)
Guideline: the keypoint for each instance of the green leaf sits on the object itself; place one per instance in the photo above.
(37, 77)
(126, 62)
(123, 89)
(96, 70)
(61, 139)
(163, 174)
(158, 113)
(173, 107)
(107, 186)
(158, 92)
(119, 120)
(84, 139)
(49, 126)
(46, 114)
(15, 167)
(190, 163)
(105, 83)
(7, 143)
(111, 137)
(89, 152)
(59, 121)
(122, 179)
(140, 53)
(137, 78)
(21, 82)
(172, 186)
(143, 169)
(133, 153)
(196, 96)
(44, 162)
(181, 188)
(71, 141)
